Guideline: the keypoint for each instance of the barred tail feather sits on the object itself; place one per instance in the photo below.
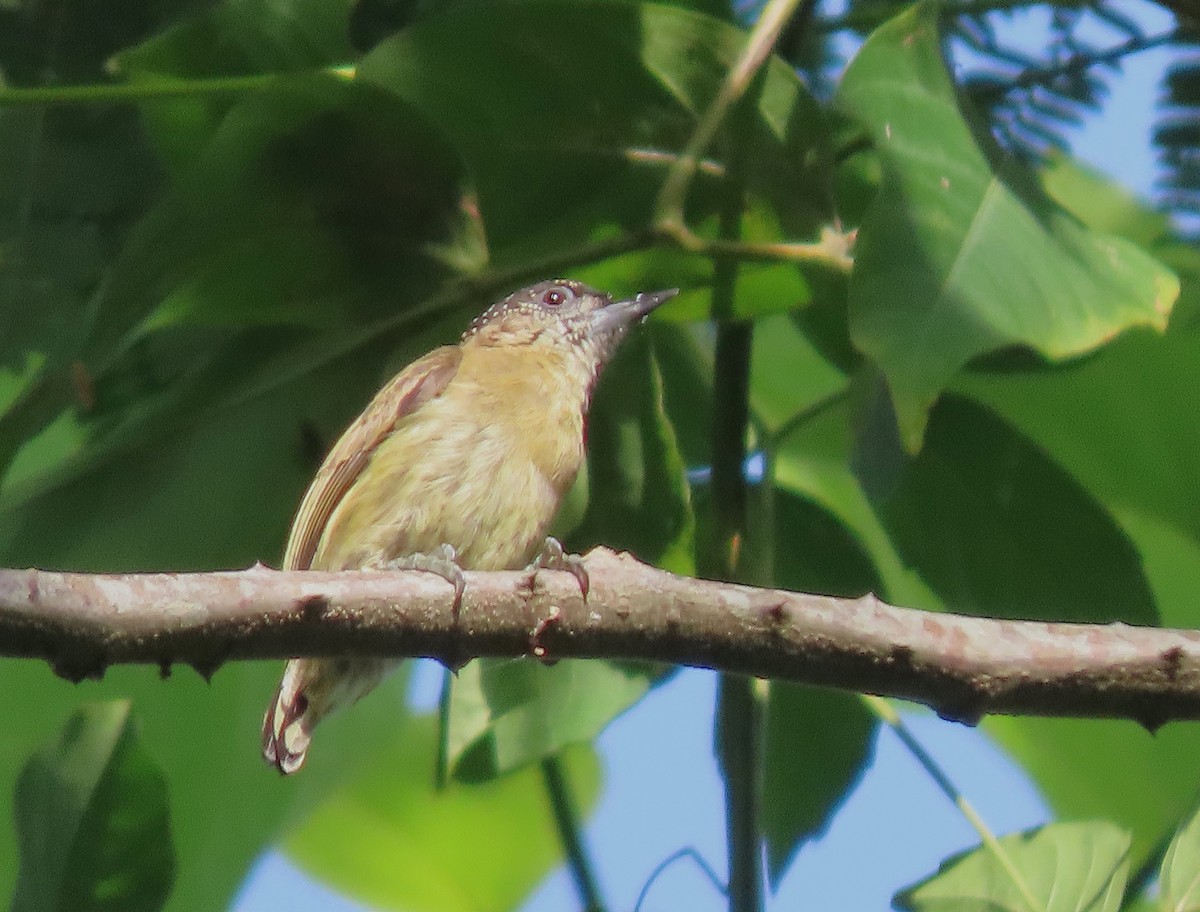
(310, 690)
(289, 721)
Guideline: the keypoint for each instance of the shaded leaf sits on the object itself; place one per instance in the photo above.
(639, 499)
(1068, 867)
(1122, 423)
(92, 820)
(598, 144)
(229, 39)
(970, 513)
(219, 495)
(818, 744)
(270, 229)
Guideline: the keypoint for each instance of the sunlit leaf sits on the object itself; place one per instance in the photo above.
(962, 253)
(389, 838)
(1066, 867)
(507, 714)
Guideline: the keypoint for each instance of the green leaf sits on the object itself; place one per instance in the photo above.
(221, 496)
(92, 820)
(1123, 424)
(962, 253)
(229, 39)
(506, 714)
(599, 144)
(817, 745)
(388, 838)
(1068, 867)
(788, 375)
(639, 499)
(970, 514)
(1104, 205)
(815, 462)
(270, 235)
(1179, 880)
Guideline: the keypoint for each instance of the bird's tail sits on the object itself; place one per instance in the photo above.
(290, 719)
(309, 691)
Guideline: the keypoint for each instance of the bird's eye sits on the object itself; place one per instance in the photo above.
(554, 297)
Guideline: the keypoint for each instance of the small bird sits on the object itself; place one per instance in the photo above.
(459, 462)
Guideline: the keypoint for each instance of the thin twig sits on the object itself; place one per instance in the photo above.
(686, 852)
(888, 715)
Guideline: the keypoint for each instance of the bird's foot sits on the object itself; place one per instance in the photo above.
(442, 560)
(554, 557)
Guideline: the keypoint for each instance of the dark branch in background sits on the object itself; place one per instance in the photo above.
(1034, 96)
(963, 667)
(1074, 65)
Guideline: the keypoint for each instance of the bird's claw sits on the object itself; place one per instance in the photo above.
(554, 557)
(442, 561)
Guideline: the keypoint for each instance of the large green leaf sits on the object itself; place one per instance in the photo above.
(1122, 423)
(1120, 426)
(229, 39)
(970, 513)
(92, 820)
(270, 229)
(388, 837)
(1067, 867)
(962, 254)
(605, 93)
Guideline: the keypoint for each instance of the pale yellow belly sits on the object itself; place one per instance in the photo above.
(437, 480)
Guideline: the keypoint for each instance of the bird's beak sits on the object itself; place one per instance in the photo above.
(621, 314)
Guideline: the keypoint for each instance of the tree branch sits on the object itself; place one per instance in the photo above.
(963, 667)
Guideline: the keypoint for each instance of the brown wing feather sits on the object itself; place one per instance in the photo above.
(419, 382)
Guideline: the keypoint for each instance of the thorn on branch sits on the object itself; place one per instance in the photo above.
(1151, 721)
(80, 664)
(776, 612)
(206, 666)
(969, 714)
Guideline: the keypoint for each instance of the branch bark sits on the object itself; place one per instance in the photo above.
(963, 667)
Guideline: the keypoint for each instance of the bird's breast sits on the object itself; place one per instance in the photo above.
(482, 467)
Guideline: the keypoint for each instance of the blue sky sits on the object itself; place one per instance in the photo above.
(663, 793)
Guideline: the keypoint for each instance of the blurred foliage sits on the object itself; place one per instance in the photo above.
(199, 287)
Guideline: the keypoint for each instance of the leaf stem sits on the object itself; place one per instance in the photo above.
(887, 714)
(673, 194)
(151, 89)
(570, 834)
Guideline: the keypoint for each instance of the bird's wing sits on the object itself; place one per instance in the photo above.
(419, 382)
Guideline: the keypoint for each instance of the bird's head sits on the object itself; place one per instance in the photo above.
(563, 315)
